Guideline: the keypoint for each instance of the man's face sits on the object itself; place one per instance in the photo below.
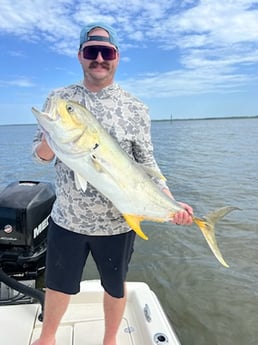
(98, 70)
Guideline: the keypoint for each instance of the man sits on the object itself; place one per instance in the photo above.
(83, 222)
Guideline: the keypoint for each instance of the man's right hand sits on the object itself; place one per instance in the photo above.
(44, 151)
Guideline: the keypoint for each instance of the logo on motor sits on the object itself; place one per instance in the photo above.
(8, 229)
(41, 227)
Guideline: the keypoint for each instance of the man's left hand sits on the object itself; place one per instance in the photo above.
(183, 217)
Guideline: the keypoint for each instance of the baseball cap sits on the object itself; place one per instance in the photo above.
(84, 37)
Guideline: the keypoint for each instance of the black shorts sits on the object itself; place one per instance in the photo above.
(67, 254)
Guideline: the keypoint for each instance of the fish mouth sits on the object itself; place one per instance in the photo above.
(52, 118)
(55, 116)
(40, 114)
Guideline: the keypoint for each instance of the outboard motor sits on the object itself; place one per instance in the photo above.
(25, 207)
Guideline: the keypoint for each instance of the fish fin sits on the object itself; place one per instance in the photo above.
(154, 173)
(215, 216)
(207, 225)
(97, 166)
(134, 222)
(80, 182)
(101, 166)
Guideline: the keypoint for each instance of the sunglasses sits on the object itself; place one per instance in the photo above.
(91, 52)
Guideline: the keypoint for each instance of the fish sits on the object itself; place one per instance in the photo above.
(82, 143)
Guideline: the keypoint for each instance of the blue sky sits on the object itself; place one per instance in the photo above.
(188, 59)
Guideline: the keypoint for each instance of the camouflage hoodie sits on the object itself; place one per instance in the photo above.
(127, 120)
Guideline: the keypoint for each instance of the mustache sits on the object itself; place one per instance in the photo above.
(103, 64)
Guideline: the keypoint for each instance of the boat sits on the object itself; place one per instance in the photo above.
(144, 321)
(24, 209)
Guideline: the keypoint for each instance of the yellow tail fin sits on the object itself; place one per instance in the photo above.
(207, 225)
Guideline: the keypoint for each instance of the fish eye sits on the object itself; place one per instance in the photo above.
(69, 108)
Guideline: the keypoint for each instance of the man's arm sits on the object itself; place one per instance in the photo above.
(41, 152)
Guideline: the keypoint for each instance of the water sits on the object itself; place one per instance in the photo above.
(209, 164)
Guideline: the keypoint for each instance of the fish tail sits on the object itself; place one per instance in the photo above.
(207, 226)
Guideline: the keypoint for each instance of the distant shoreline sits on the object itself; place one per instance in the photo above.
(206, 118)
(163, 120)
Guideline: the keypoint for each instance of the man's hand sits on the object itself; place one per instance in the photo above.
(44, 151)
(183, 217)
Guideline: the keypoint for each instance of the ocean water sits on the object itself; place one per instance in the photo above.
(208, 164)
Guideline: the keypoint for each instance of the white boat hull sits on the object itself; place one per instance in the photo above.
(144, 321)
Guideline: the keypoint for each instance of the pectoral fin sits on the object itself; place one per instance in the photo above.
(154, 173)
(134, 222)
(80, 182)
(97, 166)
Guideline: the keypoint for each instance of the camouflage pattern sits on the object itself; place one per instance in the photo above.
(127, 120)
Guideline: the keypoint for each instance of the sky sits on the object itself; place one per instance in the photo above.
(186, 59)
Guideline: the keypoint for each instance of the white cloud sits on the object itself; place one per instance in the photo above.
(218, 78)
(19, 81)
(214, 38)
(190, 22)
(14, 53)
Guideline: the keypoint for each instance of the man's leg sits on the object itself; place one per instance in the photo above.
(55, 306)
(66, 255)
(112, 255)
(113, 309)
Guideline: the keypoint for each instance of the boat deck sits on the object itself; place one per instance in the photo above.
(144, 322)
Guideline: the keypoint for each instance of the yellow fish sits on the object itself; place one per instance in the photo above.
(80, 141)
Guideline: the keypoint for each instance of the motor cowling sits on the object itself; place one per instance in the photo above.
(25, 207)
